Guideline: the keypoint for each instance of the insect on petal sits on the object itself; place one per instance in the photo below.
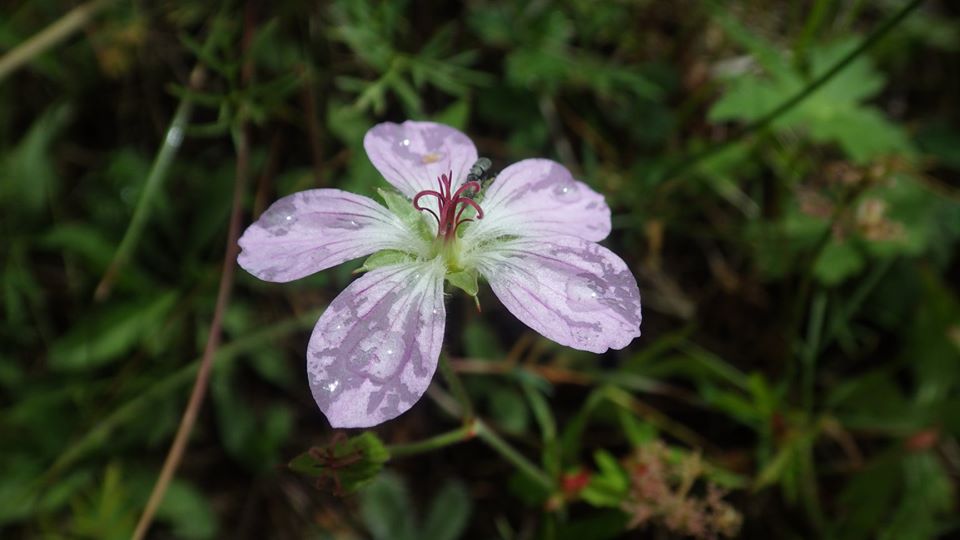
(313, 230)
(575, 292)
(374, 350)
(540, 197)
(412, 155)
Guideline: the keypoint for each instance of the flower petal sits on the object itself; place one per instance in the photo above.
(575, 292)
(412, 155)
(540, 197)
(313, 230)
(375, 348)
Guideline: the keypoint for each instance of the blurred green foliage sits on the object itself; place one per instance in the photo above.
(800, 364)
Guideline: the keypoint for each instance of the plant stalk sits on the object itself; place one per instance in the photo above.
(179, 446)
(50, 36)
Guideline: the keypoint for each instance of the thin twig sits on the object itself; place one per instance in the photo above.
(50, 36)
(175, 455)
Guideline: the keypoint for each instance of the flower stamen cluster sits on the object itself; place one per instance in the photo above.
(450, 205)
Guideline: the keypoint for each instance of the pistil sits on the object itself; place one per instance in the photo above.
(450, 205)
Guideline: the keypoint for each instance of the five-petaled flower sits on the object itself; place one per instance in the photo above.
(531, 234)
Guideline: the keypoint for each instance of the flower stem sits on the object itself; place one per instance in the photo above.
(462, 434)
(480, 429)
(456, 386)
(510, 454)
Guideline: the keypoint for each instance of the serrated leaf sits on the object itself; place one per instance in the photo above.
(350, 463)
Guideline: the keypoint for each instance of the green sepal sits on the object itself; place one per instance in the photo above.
(403, 208)
(349, 463)
(465, 280)
(383, 258)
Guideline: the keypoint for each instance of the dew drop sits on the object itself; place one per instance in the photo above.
(383, 359)
(566, 192)
(585, 336)
(280, 217)
(332, 387)
(405, 142)
(582, 296)
(333, 221)
(174, 136)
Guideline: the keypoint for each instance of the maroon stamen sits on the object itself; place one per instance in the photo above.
(468, 202)
(450, 205)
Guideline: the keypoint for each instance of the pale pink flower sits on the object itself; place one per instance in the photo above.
(531, 235)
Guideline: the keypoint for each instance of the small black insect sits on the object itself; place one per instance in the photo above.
(480, 172)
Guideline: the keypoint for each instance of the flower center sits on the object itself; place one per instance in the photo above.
(450, 206)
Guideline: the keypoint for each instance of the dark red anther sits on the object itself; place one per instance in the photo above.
(450, 205)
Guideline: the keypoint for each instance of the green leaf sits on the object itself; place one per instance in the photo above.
(480, 341)
(387, 510)
(927, 499)
(507, 407)
(29, 175)
(449, 513)
(188, 512)
(837, 262)
(110, 332)
(607, 488)
(456, 115)
(350, 463)
(835, 113)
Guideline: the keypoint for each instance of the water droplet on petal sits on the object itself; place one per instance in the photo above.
(586, 335)
(566, 192)
(383, 359)
(583, 296)
(333, 221)
(332, 387)
(405, 142)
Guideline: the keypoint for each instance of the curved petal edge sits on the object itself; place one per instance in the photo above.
(573, 291)
(412, 155)
(374, 350)
(313, 230)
